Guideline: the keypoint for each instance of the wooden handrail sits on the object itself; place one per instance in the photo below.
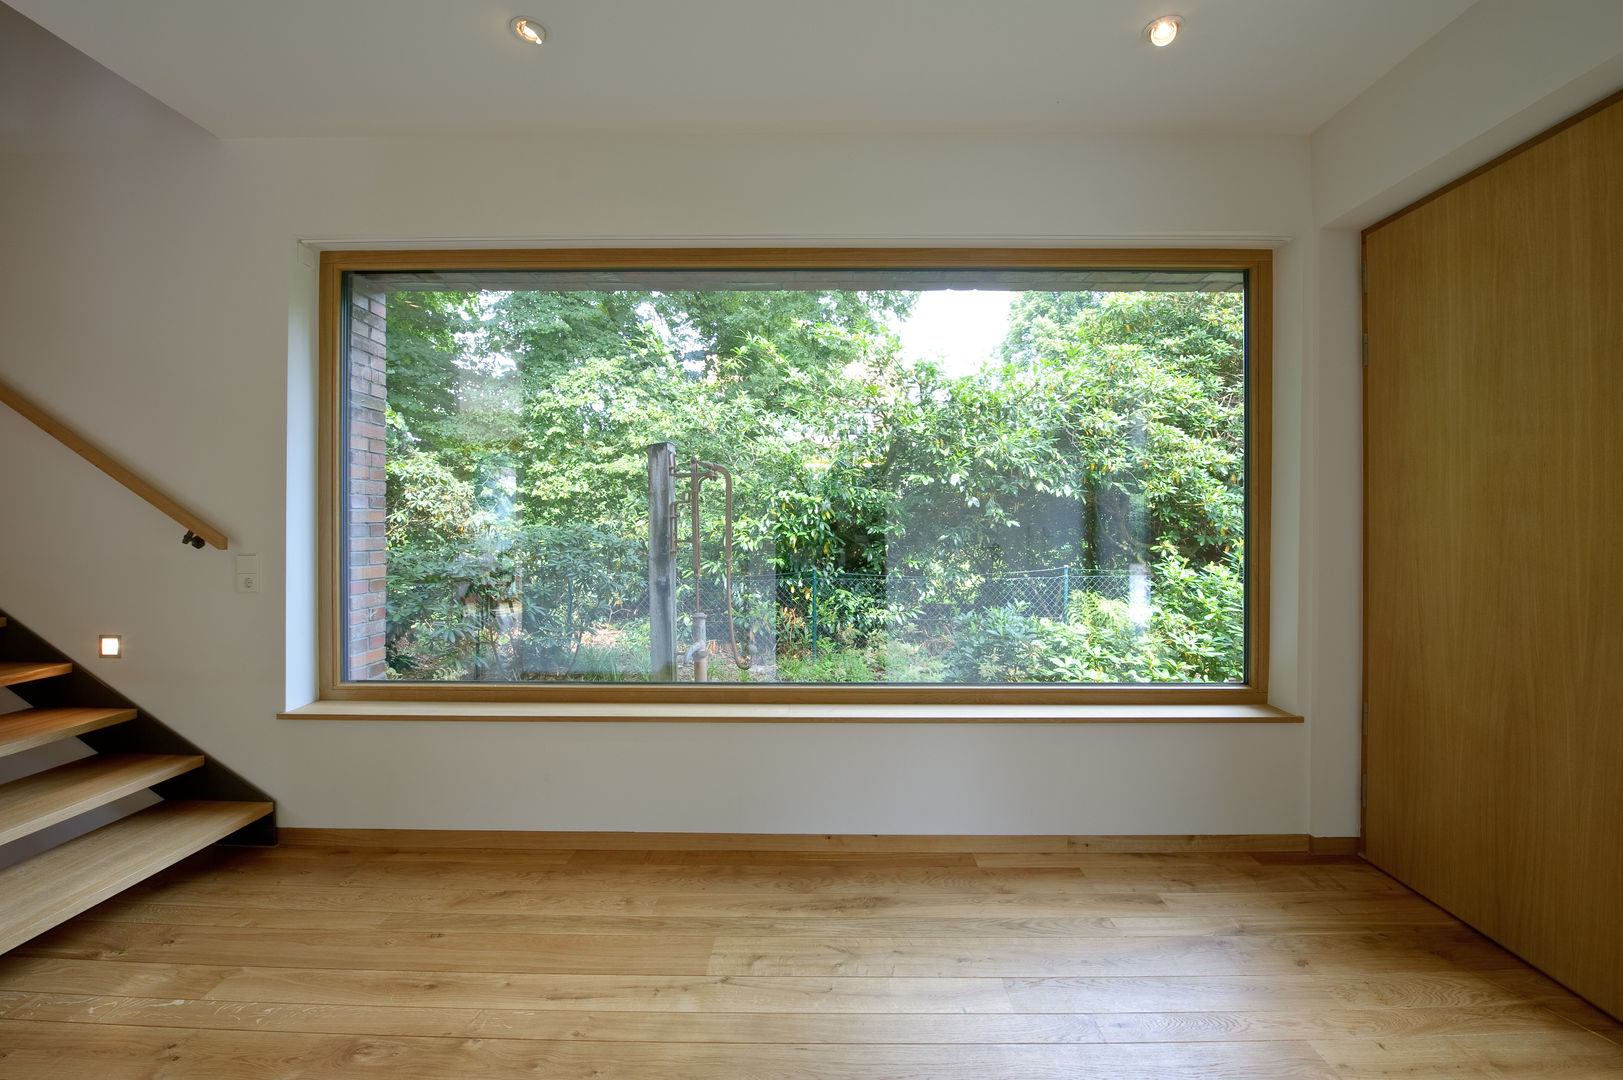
(195, 526)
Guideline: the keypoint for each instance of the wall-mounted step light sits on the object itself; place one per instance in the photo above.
(110, 646)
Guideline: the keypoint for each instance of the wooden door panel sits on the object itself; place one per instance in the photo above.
(1494, 551)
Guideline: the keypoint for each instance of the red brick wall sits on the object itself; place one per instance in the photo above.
(364, 492)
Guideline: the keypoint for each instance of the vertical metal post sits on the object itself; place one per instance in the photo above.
(1065, 597)
(661, 564)
(814, 611)
(701, 655)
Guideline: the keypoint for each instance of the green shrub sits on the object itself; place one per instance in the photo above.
(835, 665)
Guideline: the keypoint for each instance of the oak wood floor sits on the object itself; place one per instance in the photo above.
(327, 961)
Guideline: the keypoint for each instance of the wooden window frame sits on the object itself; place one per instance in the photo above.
(1000, 702)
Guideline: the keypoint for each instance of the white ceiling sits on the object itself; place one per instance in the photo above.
(348, 67)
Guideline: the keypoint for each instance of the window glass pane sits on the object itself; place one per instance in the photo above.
(851, 476)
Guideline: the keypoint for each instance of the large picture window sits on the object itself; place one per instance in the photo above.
(1036, 474)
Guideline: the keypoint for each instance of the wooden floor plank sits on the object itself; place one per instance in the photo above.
(1556, 1055)
(520, 874)
(879, 926)
(540, 870)
(1405, 951)
(465, 895)
(499, 990)
(834, 961)
(1245, 993)
(567, 954)
(1000, 958)
(107, 1053)
(30, 974)
(473, 990)
(1536, 987)
(1341, 902)
(293, 855)
(1328, 1024)
(569, 1025)
(1258, 1025)
(888, 859)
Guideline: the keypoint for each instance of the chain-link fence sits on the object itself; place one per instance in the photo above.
(553, 628)
(818, 604)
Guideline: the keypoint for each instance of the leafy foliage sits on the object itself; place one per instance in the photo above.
(1107, 436)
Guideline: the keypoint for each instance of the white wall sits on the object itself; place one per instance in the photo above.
(1502, 72)
(154, 294)
(151, 298)
(1499, 74)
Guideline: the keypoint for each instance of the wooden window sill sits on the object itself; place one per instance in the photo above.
(791, 714)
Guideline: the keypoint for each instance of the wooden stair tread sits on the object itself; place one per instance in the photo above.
(21, 671)
(28, 728)
(45, 798)
(56, 885)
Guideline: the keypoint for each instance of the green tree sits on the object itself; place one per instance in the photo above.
(1108, 435)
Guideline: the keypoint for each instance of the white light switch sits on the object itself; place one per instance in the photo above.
(248, 573)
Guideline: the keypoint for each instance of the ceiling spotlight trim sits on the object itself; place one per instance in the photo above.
(528, 30)
(1163, 31)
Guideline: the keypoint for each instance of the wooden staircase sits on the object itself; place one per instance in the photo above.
(204, 803)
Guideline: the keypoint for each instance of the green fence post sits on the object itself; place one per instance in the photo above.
(814, 612)
(1065, 597)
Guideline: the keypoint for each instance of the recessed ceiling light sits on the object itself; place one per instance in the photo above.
(1162, 31)
(528, 29)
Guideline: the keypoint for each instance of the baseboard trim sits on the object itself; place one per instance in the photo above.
(1335, 845)
(663, 841)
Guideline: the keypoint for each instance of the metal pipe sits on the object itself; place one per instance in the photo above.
(699, 651)
(727, 550)
(661, 564)
(695, 478)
